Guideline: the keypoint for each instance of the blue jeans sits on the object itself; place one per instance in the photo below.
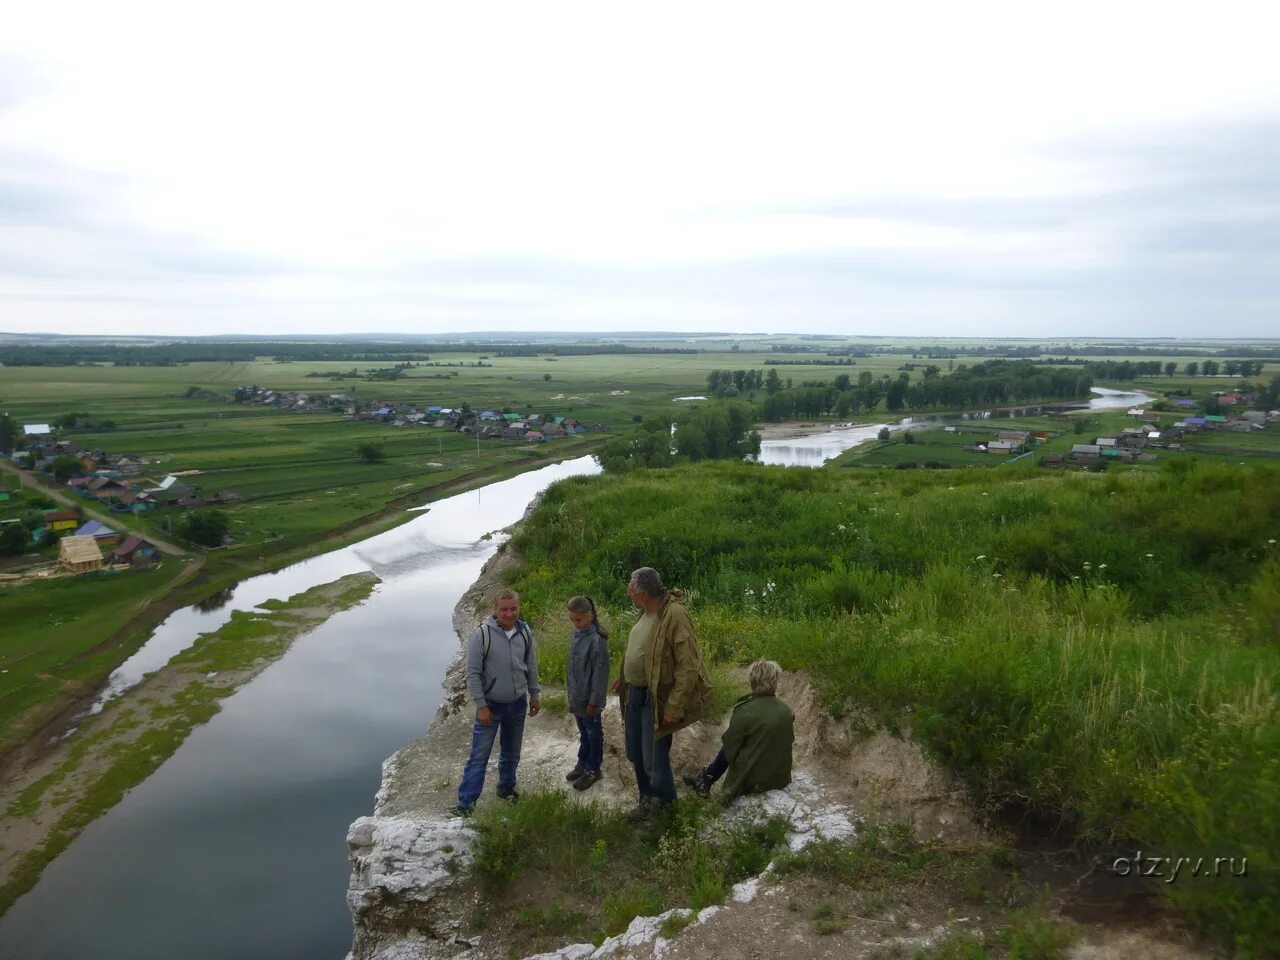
(590, 742)
(649, 755)
(508, 723)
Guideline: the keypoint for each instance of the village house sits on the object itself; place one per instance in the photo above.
(79, 555)
(134, 551)
(100, 532)
(169, 491)
(60, 521)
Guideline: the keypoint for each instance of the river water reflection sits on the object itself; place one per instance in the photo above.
(816, 449)
(235, 846)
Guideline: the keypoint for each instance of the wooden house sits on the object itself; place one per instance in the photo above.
(79, 555)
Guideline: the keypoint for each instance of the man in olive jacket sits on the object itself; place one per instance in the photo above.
(663, 684)
(757, 745)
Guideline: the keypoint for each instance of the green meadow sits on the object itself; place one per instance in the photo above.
(1097, 651)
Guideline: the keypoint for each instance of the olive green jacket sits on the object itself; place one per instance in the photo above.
(677, 677)
(758, 745)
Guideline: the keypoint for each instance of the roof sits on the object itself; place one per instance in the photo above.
(95, 528)
(1215, 418)
(131, 543)
(1185, 403)
(1194, 420)
(57, 515)
(36, 428)
(169, 482)
(1086, 448)
(78, 550)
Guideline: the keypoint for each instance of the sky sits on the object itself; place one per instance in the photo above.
(914, 169)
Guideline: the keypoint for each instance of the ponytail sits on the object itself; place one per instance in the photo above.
(587, 605)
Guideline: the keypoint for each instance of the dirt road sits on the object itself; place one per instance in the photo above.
(114, 520)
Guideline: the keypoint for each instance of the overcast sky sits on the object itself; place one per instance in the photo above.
(882, 168)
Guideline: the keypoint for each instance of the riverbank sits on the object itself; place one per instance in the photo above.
(207, 574)
(80, 777)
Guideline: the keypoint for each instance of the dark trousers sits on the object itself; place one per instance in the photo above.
(649, 755)
(590, 742)
(507, 724)
(717, 767)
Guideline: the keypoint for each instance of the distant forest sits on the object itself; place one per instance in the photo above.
(175, 354)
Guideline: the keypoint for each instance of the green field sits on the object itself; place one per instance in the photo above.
(51, 648)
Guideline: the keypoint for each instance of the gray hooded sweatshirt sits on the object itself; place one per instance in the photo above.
(588, 670)
(509, 672)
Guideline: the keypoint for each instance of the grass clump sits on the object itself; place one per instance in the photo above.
(550, 849)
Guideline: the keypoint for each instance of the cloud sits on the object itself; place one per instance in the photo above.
(829, 171)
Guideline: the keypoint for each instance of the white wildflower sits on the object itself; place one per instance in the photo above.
(981, 556)
(1102, 566)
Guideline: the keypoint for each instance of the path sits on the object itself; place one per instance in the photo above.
(28, 478)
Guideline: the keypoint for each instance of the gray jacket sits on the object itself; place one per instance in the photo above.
(588, 670)
(508, 672)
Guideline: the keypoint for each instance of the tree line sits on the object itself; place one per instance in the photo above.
(992, 383)
(720, 432)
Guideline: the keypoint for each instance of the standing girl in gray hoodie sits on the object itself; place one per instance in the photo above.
(587, 683)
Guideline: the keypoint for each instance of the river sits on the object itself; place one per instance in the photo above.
(815, 449)
(235, 847)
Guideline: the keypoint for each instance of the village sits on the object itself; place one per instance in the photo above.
(121, 484)
(487, 424)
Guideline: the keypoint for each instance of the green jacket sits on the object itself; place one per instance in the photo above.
(758, 745)
(677, 677)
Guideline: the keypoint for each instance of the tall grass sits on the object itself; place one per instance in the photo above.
(1102, 649)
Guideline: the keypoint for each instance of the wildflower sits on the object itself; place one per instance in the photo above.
(1102, 566)
(996, 576)
(1151, 556)
(748, 592)
(1075, 576)
(840, 526)
(1272, 541)
(981, 556)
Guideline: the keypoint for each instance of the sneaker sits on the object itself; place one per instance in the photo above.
(588, 778)
(575, 773)
(509, 794)
(698, 782)
(461, 811)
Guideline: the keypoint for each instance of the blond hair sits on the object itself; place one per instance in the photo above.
(763, 677)
(506, 593)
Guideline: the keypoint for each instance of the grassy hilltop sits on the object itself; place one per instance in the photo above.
(1099, 649)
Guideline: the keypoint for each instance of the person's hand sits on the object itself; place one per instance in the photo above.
(592, 709)
(485, 716)
(617, 686)
(534, 707)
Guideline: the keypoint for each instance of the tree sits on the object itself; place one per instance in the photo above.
(1193, 369)
(1210, 368)
(370, 452)
(8, 433)
(883, 434)
(1170, 368)
(546, 378)
(772, 383)
(65, 467)
(14, 539)
(205, 527)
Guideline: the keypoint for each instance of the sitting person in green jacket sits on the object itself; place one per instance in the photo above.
(756, 749)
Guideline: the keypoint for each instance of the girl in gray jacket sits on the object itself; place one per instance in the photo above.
(587, 683)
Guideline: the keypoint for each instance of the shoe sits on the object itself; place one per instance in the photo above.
(575, 773)
(698, 782)
(511, 795)
(461, 811)
(642, 812)
(585, 781)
